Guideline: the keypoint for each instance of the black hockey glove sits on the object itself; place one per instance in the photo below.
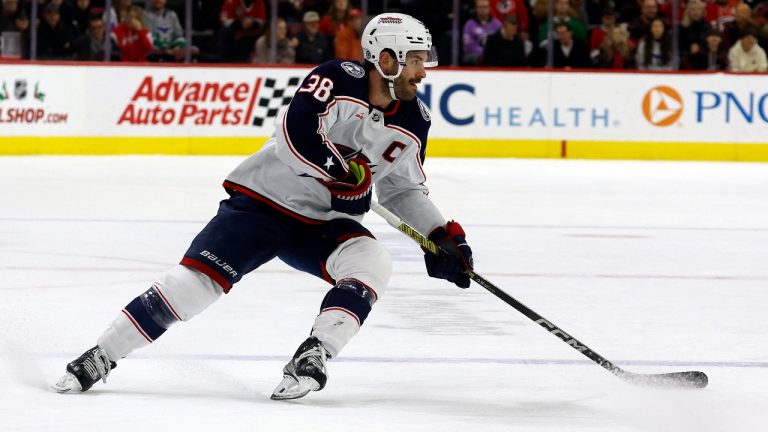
(456, 260)
(352, 194)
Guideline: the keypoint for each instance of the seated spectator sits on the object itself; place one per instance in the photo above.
(8, 15)
(501, 8)
(242, 23)
(347, 44)
(563, 16)
(476, 30)
(286, 47)
(627, 10)
(314, 47)
(90, 46)
(81, 16)
(714, 55)
(55, 38)
(335, 17)
(640, 26)
(132, 38)
(569, 53)
(598, 34)
(746, 55)
(167, 35)
(506, 47)
(654, 51)
(595, 10)
(21, 25)
(615, 53)
(66, 11)
(734, 30)
(693, 29)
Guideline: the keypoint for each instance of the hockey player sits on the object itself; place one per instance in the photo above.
(301, 198)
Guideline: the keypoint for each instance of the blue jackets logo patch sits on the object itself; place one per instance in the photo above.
(353, 69)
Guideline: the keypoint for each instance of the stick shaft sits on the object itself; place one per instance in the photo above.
(547, 325)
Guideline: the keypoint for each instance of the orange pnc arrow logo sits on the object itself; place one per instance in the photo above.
(662, 106)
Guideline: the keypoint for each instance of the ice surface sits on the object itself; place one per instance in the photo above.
(658, 266)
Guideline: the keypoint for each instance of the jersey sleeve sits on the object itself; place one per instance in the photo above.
(301, 130)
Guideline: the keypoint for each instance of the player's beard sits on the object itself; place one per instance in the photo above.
(405, 89)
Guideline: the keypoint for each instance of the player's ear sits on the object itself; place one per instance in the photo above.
(387, 61)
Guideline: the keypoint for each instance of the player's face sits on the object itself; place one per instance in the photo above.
(413, 73)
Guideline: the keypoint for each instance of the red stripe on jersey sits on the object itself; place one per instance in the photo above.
(327, 142)
(394, 108)
(353, 100)
(167, 303)
(136, 324)
(343, 310)
(208, 271)
(242, 189)
(326, 276)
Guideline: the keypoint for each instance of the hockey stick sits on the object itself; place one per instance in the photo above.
(689, 379)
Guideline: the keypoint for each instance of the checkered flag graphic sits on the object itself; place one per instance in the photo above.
(273, 96)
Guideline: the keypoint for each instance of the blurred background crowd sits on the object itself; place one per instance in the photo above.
(597, 34)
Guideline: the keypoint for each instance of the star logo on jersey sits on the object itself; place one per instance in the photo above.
(662, 106)
(329, 163)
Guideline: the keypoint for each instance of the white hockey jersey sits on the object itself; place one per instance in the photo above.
(329, 121)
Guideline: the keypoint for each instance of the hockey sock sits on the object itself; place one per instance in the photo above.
(343, 311)
(142, 321)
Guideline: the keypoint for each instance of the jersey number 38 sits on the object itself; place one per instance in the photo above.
(319, 87)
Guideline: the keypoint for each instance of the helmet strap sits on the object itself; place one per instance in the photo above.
(390, 78)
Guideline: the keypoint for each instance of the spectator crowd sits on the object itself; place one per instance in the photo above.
(597, 34)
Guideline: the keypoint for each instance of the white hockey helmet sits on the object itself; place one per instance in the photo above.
(399, 33)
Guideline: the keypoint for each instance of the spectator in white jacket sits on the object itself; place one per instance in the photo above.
(746, 55)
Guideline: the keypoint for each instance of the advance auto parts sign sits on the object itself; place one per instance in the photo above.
(182, 102)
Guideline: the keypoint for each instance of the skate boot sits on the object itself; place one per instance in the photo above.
(85, 371)
(305, 372)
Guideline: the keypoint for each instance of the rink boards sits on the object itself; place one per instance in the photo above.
(118, 109)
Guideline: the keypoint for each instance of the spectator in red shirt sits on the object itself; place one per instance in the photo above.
(721, 12)
(132, 39)
(335, 18)
(598, 34)
(502, 8)
(242, 23)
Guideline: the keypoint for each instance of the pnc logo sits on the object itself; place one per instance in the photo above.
(662, 106)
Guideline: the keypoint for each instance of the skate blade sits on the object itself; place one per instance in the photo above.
(290, 388)
(66, 384)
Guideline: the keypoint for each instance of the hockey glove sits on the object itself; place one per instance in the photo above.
(455, 258)
(352, 194)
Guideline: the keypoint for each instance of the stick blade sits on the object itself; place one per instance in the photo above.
(689, 379)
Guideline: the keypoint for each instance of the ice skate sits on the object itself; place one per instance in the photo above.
(305, 372)
(85, 371)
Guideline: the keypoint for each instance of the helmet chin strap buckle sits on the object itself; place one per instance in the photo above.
(392, 88)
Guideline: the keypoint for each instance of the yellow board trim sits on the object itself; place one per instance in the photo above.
(438, 147)
(130, 145)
